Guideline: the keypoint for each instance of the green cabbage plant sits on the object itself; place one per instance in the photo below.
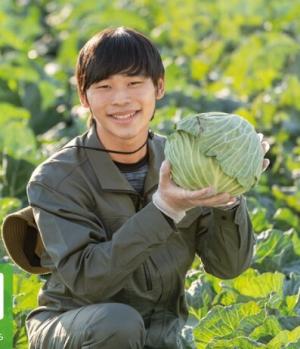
(215, 149)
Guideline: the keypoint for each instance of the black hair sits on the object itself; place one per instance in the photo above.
(117, 50)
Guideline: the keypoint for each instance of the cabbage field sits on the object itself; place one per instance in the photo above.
(231, 56)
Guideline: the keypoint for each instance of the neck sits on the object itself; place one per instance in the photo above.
(124, 146)
(129, 158)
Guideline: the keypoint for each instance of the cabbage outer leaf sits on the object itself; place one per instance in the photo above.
(215, 149)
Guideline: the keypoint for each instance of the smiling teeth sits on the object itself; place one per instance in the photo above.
(126, 116)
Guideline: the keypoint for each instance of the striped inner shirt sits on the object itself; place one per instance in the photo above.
(135, 173)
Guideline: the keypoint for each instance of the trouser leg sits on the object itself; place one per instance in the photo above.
(103, 326)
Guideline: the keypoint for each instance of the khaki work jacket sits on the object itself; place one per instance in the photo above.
(106, 243)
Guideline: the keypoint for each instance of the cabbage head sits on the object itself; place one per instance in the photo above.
(215, 149)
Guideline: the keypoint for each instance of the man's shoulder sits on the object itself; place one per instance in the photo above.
(60, 164)
(159, 138)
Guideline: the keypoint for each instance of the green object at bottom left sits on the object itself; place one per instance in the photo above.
(6, 315)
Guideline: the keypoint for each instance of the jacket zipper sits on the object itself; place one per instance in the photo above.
(149, 285)
(148, 277)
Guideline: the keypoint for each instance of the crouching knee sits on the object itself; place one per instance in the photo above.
(119, 326)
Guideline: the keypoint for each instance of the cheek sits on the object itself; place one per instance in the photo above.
(97, 105)
(96, 99)
(148, 97)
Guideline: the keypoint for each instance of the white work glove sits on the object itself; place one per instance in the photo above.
(174, 201)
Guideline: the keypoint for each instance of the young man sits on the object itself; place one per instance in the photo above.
(119, 235)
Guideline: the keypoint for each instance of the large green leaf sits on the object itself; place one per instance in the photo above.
(19, 156)
(289, 322)
(286, 218)
(26, 288)
(294, 345)
(228, 322)
(10, 112)
(200, 293)
(235, 343)
(284, 337)
(253, 284)
(8, 204)
(277, 250)
(259, 219)
(15, 146)
(290, 196)
(259, 60)
(268, 329)
(291, 93)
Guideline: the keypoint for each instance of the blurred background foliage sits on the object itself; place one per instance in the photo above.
(220, 55)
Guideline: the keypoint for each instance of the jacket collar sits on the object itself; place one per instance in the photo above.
(108, 174)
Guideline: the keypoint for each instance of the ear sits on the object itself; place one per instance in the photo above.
(83, 100)
(160, 88)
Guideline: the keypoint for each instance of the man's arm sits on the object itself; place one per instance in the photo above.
(88, 262)
(225, 241)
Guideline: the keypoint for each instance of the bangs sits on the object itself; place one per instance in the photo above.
(121, 55)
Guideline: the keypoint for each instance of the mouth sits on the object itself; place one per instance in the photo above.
(124, 117)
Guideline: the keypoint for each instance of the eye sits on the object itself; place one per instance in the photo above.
(103, 87)
(135, 83)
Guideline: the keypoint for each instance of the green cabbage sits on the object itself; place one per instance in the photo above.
(215, 149)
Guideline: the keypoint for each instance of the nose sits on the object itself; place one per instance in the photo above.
(120, 97)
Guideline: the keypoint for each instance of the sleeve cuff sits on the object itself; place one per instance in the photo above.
(177, 216)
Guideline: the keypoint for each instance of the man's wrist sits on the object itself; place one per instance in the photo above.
(176, 215)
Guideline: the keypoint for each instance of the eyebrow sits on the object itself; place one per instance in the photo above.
(125, 75)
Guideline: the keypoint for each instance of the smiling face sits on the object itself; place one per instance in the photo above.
(122, 107)
(120, 75)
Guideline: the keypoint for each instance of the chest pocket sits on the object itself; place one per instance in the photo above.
(144, 288)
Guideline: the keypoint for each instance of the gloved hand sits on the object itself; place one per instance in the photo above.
(174, 201)
(266, 147)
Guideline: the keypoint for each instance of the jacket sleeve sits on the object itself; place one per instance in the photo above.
(225, 241)
(89, 264)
